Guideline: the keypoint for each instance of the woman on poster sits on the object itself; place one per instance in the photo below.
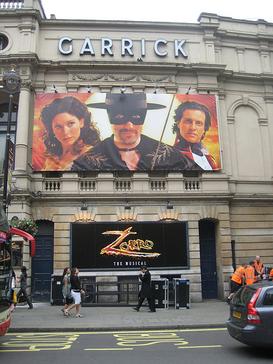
(69, 132)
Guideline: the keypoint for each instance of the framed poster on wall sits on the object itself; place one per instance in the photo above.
(120, 245)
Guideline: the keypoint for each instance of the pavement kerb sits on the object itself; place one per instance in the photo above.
(110, 329)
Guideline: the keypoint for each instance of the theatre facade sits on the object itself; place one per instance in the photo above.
(190, 209)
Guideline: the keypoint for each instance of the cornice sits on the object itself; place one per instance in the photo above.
(229, 74)
(21, 13)
(130, 66)
(18, 58)
(241, 35)
(118, 25)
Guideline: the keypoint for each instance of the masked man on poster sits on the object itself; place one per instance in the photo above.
(128, 148)
(146, 290)
(192, 121)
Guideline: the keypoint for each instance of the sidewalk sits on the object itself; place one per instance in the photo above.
(45, 317)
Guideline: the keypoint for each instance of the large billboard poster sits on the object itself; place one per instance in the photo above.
(119, 131)
(120, 245)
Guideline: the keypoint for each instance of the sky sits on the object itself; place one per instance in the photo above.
(156, 10)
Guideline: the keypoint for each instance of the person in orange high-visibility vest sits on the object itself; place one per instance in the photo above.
(237, 280)
(258, 266)
(250, 277)
(271, 274)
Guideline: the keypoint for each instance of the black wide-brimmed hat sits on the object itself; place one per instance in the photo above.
(128, 101)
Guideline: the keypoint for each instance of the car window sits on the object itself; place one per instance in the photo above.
(268, 298)
(243, 296)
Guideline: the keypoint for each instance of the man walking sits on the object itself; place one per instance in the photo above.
(146, 290)
(23, 286)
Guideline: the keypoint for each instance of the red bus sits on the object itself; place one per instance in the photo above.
(6, 270)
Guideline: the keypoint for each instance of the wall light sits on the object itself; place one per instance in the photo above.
(84, 206)
(127, 206)
(169, 205)
(54, 89)
(188, 91)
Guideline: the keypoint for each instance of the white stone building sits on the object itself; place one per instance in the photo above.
(222, 56)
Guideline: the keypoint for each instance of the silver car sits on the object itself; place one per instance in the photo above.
(251, 314)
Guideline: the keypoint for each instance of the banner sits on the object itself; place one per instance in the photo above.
(121, 245)
(116, 132)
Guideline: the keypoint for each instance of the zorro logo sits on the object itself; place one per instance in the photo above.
(130, 248)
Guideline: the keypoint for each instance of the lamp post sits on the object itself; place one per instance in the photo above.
(11, 85)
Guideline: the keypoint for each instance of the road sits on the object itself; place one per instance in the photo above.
(133, 347)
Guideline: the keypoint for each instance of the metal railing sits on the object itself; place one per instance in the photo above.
(110, 293)
(123, 292)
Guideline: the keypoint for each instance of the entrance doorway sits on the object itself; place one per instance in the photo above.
(208, 259)
(42, 263)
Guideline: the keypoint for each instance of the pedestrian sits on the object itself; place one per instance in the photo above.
(12, 293)
(76, 291)
(23, 286)
(237, 280)
(250, 276)
(259, 267)
(146, 290)
(271, 274)
(66, 288)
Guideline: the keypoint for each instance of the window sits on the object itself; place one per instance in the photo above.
(3, 41)
(243, 296)
(268, 299)
(52, 174)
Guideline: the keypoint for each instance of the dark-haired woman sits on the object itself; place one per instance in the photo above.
(76, 291)
(66, 287)
(69, 132)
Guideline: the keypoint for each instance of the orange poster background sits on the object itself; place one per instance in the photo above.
(210, 142)
(39, 130)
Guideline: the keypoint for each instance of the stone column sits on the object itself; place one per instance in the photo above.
(22, 132)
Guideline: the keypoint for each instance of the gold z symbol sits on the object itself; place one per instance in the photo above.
(130, 248)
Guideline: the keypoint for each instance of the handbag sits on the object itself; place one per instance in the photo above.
(69, 299)
(14, 297)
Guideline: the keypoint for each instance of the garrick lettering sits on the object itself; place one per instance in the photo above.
(128, 47)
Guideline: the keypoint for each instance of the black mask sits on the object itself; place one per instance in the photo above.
(119, 117)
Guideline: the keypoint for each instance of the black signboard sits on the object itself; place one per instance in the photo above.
(118, 245)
